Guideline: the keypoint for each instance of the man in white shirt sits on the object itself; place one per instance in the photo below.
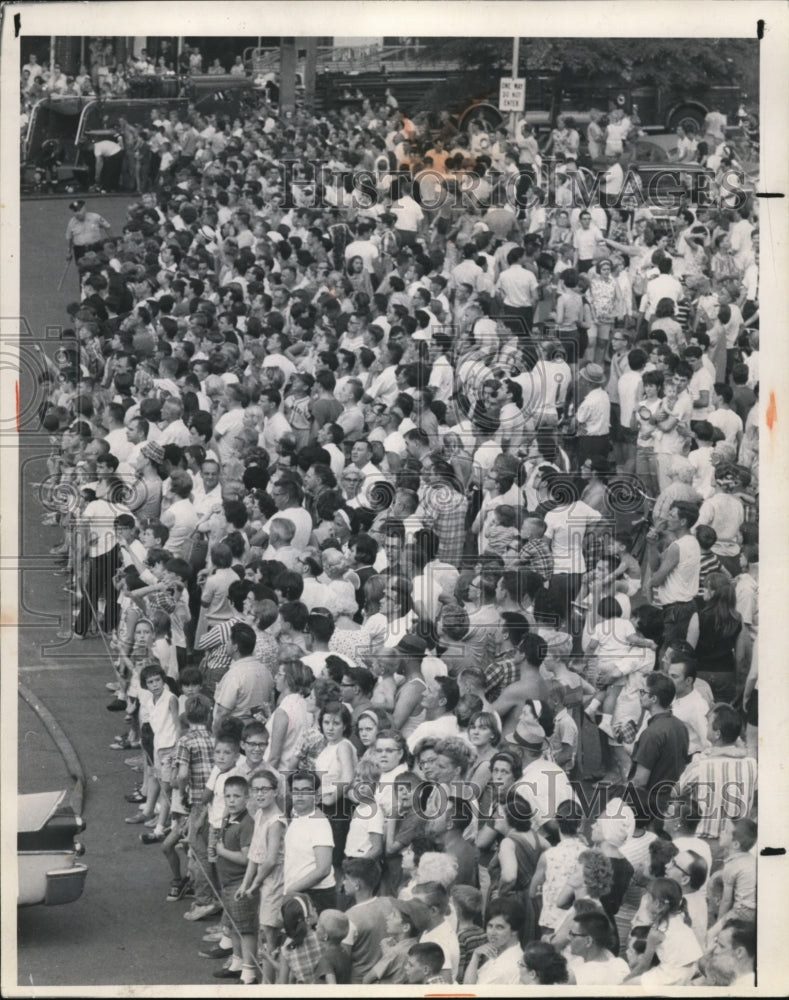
(585, 241)
(384, 387)
(409, 218)
(566, 525)
(288, 495)
(701, 385)
(517, 287)
(275, 426)
(593, 416)
(723, 416)
(174, 430)
(664, 286)
(439, 701)
(116, 436)
(688, 705)
(689, 870)
(592, 964)
(363, 246)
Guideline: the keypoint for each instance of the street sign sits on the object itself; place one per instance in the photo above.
(512, 94)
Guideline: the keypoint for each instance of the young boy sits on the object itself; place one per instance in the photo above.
(226, 753)
(563, 742)
(440, 931)
(405, 923)
(468, 906)
(368, 914)
(401, 828)
(231, 864)
(192, 762)
(707, 536)
(334, 967)
(424, 964)
(738, 877)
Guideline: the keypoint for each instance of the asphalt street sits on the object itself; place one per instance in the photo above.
(121, 932)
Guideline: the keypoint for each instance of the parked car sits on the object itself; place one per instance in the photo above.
(46, 850)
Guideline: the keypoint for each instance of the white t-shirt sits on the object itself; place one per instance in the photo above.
(367, 819)
(302, 836)
(503, 970)
(446, 937)
(594, 414)
(565, 530)
(610, 972)
(701, 381)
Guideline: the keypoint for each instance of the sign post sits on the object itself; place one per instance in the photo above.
(512, 98)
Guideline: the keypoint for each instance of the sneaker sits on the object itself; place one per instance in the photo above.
(117, 705)
(213, 934)
(201, 912)
(177, 888)
(227, 974)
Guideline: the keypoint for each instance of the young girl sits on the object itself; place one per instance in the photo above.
(484, 733)
(670, 938)
(162, 646)
(301, 953)
(129, 668)
(556, 865)
(162, 708)
(366, 830)
(264, 867)
(336, 764)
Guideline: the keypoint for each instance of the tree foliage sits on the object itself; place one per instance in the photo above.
(686, 63)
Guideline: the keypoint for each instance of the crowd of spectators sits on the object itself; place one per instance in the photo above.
(406, 515)
(104, 75)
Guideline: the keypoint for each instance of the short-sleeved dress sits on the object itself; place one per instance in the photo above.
(271, 889)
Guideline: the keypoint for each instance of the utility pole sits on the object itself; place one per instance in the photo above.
(310, 71)
(287, 74)
(514, 114)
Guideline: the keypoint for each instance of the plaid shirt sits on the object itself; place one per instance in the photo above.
(196, 749)
(444, 509)
(537, 556)
(500, 674)
(303, 958)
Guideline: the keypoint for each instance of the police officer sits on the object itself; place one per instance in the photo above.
(85, 231)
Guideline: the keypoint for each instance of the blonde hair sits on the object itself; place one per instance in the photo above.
(435, 867)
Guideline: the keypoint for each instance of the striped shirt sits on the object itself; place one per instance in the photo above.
(724, 780)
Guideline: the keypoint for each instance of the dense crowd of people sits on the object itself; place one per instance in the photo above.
(412, 512)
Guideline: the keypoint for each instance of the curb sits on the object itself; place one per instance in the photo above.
(63, 744)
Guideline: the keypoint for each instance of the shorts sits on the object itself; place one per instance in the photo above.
(242, 913)
(164, 765)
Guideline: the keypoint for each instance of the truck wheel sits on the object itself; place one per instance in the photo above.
(691, 119)
(488, 116)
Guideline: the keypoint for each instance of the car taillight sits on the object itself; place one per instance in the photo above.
(80, 823)
(79, 848)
